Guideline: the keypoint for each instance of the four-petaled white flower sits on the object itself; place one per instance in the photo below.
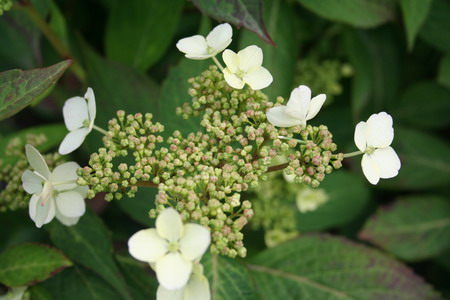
(299, 109)
(79, 118)
(374, 138)
(197, 288)
(171, 249)
(55, 193)
(245, 68)
(197, 47)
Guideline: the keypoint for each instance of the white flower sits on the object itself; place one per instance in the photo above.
(299, 109)
(197, 47)
(197, 288)
(55, 193)
(16, 293)
(245, 68)
(374, 138)
(171, 248)
(309, 199)
(79, 118)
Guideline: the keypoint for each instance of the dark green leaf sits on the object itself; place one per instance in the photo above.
(424, 105)
(240, 13)
(325, 267)
(228, 279)
(54, 134)
(19, 88)
(38, 292)
(413, 228)
(444, 71)
(437, 26)
(89, 244)
(358, 13)
(282, 26)
(139, 206)
(343, 205)
(424, 161)
(78, 283)
(139, 32)
(26, 264)
(174, 93)
(415, 13)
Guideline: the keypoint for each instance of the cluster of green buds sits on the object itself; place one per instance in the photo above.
(5, 5)
(12, 194)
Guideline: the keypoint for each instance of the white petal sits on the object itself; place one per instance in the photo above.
(164, 294)
(379, 130)
(173, 271)
(315, 105)
(37, 162)
(250, 57)
(31, 182)
(232, 79)
(220, 37)
(169, 225)
(231, 60)
(66, 220)
(199, 56)
(193, 46)
(361, 136)
(92, 109)
(82, 190)
(44, 212)
(75, 112)
(195, 241)
(62, 173)
(258, 78)
(370, 169)
(278, 116)
(70, 204)
(299, 101)
(197, 288)
(146, 245)
(388, 162)
(73, 140)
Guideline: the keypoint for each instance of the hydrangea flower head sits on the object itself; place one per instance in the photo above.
(374, 138)
(53, 193)
(197, 47)
(79, 117)
(171, 248)
(299, 108)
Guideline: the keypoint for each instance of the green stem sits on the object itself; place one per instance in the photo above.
(353, 154)
(277, 167)
(101, 130)
(51, 36)
(145, 184)
(217, 62)
(288, 138)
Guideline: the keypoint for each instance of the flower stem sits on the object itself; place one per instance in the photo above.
(288, 138)
(352, 154)
(217, 62)
(101, 130)
(277, 167)
(146, 184)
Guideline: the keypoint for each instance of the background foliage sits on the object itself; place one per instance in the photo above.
(391, 241)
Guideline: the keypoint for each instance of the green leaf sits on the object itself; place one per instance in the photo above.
(78, 283)
(424, 105)
(139, 32)
(436, 27)
(415, 13)
(240, 13)
(325, 267)
(424, 161)
(374, 56)
(413, 228)
(139, 206)
(137, 275)
(38, 292)
(228, 279)
(54, 133)
(174, 93)
(19, 88)
(26, 264)
(358, 13)
(444, 71)
(282, 25)
(89, 244)
(343, 205)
